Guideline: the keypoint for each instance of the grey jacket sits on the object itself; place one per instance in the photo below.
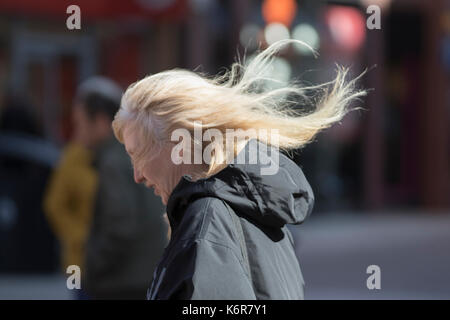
(229, 234)
(128, 232)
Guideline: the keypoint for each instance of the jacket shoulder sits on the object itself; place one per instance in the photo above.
(208, 218)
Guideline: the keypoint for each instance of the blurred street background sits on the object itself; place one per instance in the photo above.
(381, 177)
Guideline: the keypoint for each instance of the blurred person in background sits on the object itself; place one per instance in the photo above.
(70, 194)
(121, 230)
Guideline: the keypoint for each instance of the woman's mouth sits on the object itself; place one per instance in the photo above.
(155, 190)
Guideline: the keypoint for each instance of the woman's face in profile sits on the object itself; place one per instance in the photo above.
(159, 172)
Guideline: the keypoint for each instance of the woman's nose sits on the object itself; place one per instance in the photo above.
(138, 177)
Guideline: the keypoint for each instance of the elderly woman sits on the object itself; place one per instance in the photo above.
(227, 214)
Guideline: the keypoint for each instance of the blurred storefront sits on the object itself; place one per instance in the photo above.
(46, 60)
(408, 138)
(394, 154)
(41, 64)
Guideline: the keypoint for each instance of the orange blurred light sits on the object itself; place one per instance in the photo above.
(281, 11)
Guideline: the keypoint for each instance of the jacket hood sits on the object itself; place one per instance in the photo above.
(271, 191)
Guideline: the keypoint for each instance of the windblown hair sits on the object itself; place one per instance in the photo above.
(238, 99)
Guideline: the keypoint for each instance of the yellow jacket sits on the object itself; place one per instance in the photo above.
(69, 201)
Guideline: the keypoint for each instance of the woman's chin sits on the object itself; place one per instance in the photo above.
(163, 198)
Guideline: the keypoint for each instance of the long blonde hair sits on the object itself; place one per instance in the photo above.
(238, 99)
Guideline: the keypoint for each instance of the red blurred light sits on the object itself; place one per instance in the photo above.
(347, 27)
